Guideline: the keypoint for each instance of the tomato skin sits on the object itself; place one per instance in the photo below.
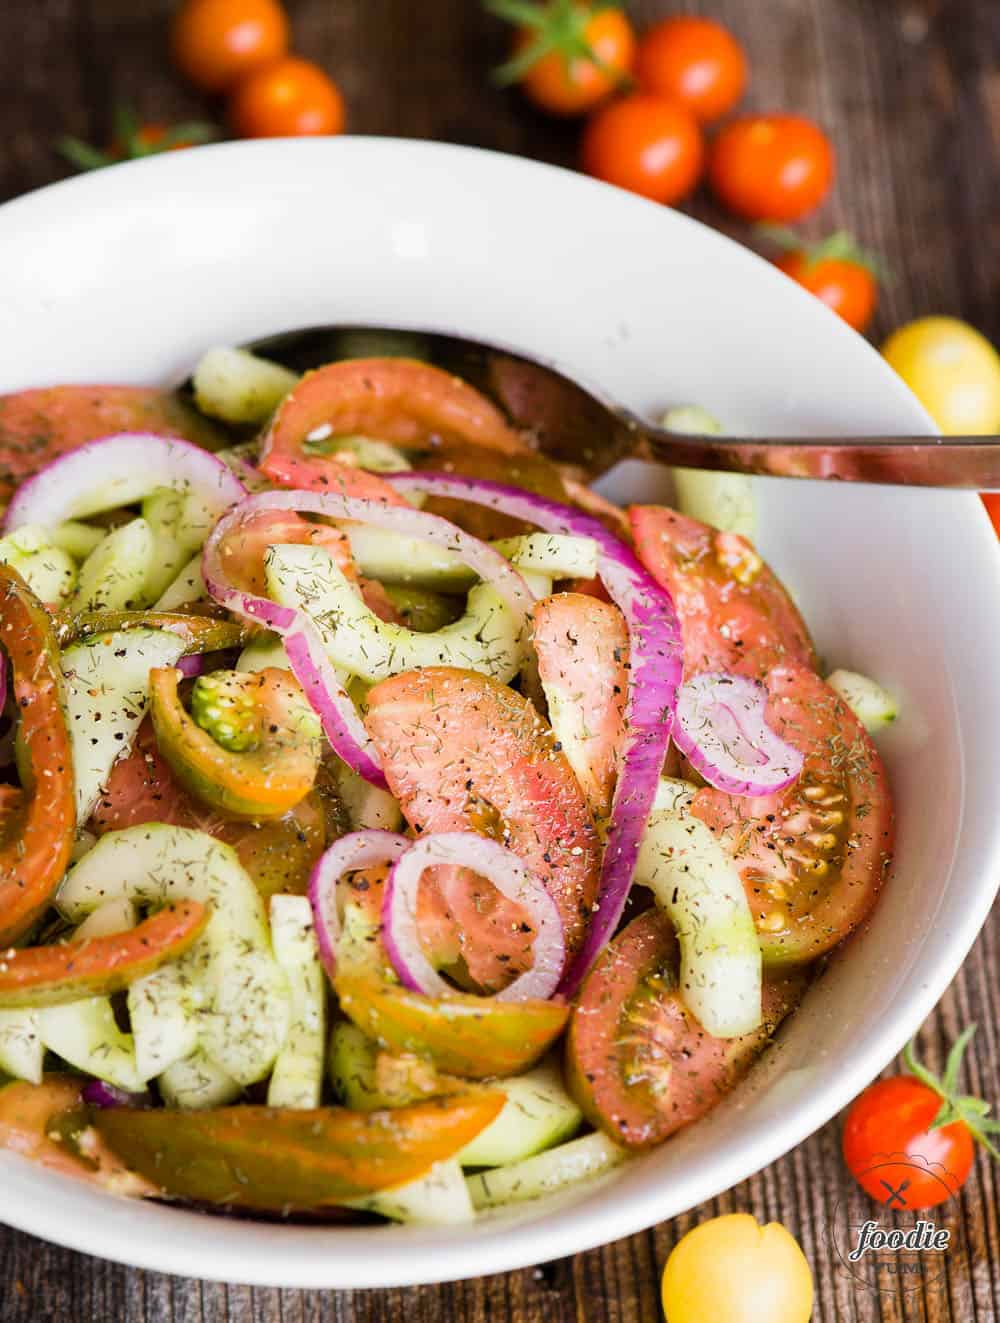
(695, 61)
(812, 858)
(953, 371)
(646, 144)
(216, 42)
(847, 288)
(892, 1118)
(735, 615)
(289, 98)
(771, 167)
(992, 502)
(564, 83)
(730, 1268)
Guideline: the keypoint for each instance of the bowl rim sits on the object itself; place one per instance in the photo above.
(87, 1223)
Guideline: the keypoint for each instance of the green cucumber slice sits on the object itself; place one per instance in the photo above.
(188, 587)
(239, 387)
(873, 706)
(48, 570)
(537, 1115)
(439, 1198)
(86, 1034)
(297, 1077)
(555, 1169)
(21, 1048)
(197, 1083)
(394, 558)
(115, 575)
(75, 538)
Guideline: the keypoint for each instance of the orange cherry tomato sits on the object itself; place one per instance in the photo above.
(771, 167)
(568, 56)
(217, 42)
(647, 144)
(839, 273)
(992, 502)
(290, 98)
(695, 61)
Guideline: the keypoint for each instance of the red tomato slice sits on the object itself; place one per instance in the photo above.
(335, 476)
(735, 615)
(36, 426)
(461, 751)
(638, 1063)
(582, 649)
(243, 550)
(813, 857)
(278, 854)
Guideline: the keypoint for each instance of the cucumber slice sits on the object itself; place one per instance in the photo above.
(537, 1115)
(367, 453)
(115, 575)
(85, 1033)
(691, 418)
(45, 567)
(486, 639)
(75, 538)
(196, 1083)
(107, 693)
(359, 1081)
(175, 538)
(188, 587)
(297, 1078)
(239, 387)
(724, 500)
(162, 1010)
(440, 1198)
(235, 988)
(569, 1164)
(873, 706)
(263, 652)
(695, 881)
(394, 558)
(21, 1048)
(366, 805)
(114, 916)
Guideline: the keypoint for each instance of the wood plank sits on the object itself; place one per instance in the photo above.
(910, 90)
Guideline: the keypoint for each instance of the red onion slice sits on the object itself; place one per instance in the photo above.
(120, 470)
(360, 849)
(508, 874)
(722, 730)
(101, 1094)
(656, 660)
(306, 654)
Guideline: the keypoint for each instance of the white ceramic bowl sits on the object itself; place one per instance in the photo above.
(125, 275)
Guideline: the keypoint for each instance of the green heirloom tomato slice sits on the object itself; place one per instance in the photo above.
(37, 426)
(638, 1063)
(463, 1035)
(250, 746)
(38, 833)
(813, 857)
(462, 752)
(735, 615)
(199, 633)
(285, 1159)
(98, 966)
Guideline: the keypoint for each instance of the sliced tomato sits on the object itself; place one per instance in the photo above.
(33, 1118)
(243, 550)
(278, 854)
(813, 858)
(461, 752)
(735, 615)
(279, 1158)
(474, 1037)
(98, 966)
(582, 649)
(36, 426)
(335, 476)
(40, 826)
(638, 1063)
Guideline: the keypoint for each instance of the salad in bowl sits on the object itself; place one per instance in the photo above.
(392, 827)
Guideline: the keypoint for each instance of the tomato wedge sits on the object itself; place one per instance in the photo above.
(200, 633)
(32, 1120)
(813, 858)
(281, 1159)
(461, 752)
(36, 426)
(34, 857)
(98, 966)
(470, 1036)
(735, 615)
(582, 648)
(278, 853)
(638, 1063)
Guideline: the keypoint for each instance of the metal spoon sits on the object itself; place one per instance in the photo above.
(574, 425)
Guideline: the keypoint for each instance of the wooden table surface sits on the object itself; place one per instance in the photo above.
(910, 90)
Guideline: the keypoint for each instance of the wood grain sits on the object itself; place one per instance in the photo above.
(910, 90)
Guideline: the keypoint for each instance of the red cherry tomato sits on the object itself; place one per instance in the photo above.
(567, 56)
(695, 61)
(217, 42)
(771, 167)
(647, 144)
(846, 284)
(992, 502)
(290, 98)
(909, 1141)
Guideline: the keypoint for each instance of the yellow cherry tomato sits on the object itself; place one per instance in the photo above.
(731, 1268)
(953, 371)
